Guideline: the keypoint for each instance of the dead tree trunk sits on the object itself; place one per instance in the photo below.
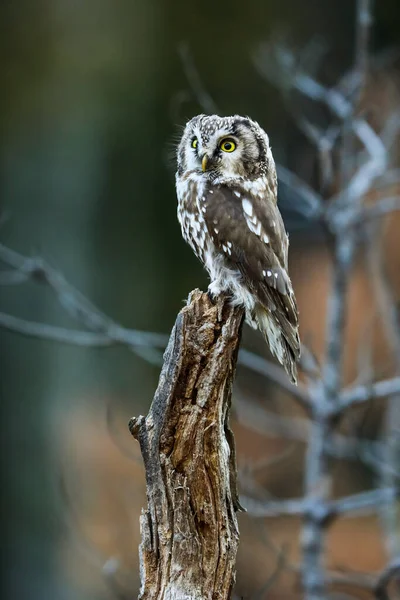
(189, 530)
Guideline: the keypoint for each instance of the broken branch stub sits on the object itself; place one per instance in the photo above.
(189, 532)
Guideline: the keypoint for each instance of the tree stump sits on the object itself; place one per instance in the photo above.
(189, 532)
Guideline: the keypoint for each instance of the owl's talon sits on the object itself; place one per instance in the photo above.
(211, 296)
(212, 293)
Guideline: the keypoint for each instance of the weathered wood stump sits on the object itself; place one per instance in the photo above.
(189, 530)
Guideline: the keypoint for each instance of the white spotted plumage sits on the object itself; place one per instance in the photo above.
(228, 214)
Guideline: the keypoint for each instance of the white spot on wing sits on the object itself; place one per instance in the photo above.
(247, 207)
(254, 226)
(238, 194)
(265, 239)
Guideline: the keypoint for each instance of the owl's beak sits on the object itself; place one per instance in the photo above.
(204, 163)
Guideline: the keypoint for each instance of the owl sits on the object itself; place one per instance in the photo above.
(227, 207)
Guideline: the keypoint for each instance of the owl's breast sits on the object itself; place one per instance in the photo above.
(190, 217)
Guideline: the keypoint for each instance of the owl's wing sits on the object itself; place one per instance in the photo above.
(249, 231)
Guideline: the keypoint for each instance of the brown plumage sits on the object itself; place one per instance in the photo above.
(227, 191)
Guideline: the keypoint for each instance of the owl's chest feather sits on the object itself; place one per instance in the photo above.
(190, 216)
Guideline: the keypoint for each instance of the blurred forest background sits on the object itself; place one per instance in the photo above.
(94, 94)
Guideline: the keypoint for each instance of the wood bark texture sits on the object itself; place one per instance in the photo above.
(189, 532)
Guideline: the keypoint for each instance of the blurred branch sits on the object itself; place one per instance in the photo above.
(364, 502)
(105, 332)
(257, 418)
(311, 207)
(77, 306)
(326, 394)
(343, 212)
(270, 508)
(379, 209)
(365, 393)
(322, 512)
(280, 66)
(56, 334)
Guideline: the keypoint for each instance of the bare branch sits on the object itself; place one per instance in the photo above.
(311, 207)
(363, 502)
(75, 305)
(257, 418)
(365, 393)
(379, 209)
(53, 333)
(270, 508)
(362, 180)
(104, 331)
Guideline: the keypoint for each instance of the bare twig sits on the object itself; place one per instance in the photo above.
(76, 305)
(104, 332)
(363, 502)
(311, 205)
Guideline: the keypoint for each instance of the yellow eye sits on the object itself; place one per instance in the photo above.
(228, 145)
(194, 143)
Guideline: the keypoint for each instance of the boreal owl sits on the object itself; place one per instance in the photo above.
(227, 208)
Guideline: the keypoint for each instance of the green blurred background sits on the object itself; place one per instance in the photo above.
(93, 97)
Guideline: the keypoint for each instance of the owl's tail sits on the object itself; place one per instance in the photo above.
(284, 344)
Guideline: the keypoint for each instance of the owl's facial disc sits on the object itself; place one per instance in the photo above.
(227, 147)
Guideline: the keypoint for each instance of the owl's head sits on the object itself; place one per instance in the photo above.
(225, 147)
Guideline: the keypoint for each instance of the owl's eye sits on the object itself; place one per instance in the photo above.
(194, 142)
(227, 145)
